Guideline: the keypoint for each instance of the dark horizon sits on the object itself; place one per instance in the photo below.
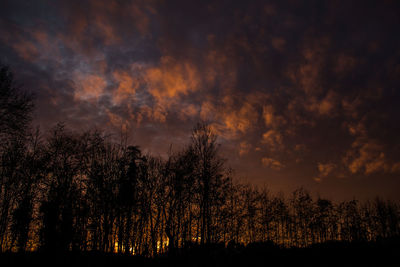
(301, 93)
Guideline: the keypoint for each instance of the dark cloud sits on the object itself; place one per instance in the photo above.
(300, 92)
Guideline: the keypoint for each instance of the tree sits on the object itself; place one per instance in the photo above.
(15, 115)
(15, 106)
(63, 196)
(29, 175)
(209, 175)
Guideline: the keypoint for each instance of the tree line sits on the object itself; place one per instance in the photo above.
(83, 191)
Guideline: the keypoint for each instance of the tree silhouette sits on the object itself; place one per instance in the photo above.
(15, 115)
(209, 178)
(15, 105)
(86, 192)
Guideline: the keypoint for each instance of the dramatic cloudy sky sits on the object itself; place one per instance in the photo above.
(300, 92)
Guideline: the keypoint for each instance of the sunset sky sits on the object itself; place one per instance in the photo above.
(301, 93)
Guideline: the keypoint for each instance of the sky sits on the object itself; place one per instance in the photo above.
(300, 93)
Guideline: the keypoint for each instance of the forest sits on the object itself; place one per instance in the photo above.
(68, 191)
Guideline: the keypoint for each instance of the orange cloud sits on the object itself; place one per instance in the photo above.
(242, 119)
(350, 107)
(102, 13)
(26, 49)
(127, 86)
(23, 43)
(114, 119)
(188, 112)
(89, 87)
(323, 107)
(159, 114)
(273, 139)
(376, 164)
(300, 147)
(207, 111)
(141, 19)
(110, 36)
(244, 148)
(41, 37)
(233, 118)
(272, 163)
(326, 106)
(357, 129)
(278, 43)
(325, 169)
(220, 70)
(268, 114)
(344, 63)
(156, 113)
(395, 167)
(271, 119)
(307, 74)
(367, 157)
(104, 20)
(171, 79)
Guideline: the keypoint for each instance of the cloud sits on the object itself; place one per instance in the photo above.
(27, 50)
(271, 117)
(317, 179)
(268, 114)
(29, 44)
(116, 120)
(207, 110)
(324, 170)
(171, 79)
(273, 139)
(272, 163)
(367, 157)
(234, 117)
(357, 129)
(307, 74)
(188, 112)
(278, 43)
(345, 64)
(127, 86)
(244, 148)
(89, 86)
(300, 147)
(240, 119)
(91, 25)
(323, 107)
(395, 167)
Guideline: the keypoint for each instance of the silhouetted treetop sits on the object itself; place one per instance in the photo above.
(81, 191)
(15, 105)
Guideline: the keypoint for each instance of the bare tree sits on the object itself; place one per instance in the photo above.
(15, 106)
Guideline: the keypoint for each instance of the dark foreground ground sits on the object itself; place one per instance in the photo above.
(382, 253)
